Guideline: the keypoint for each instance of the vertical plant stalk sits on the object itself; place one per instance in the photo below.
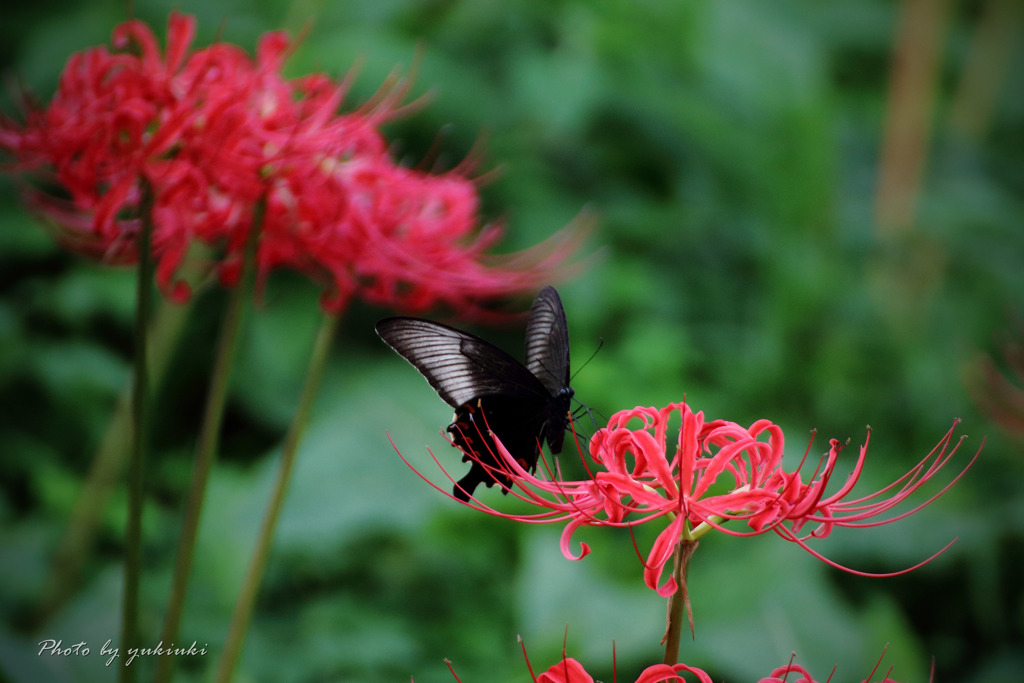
(912, 85)
(258, 562)
(206, 450)
(107, 466)
(988, 63)
(678, 601)
(133, 531)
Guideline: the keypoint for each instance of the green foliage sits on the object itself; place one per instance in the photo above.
(730, 151)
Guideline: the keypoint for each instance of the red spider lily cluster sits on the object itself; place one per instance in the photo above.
(570, 670)
(718, 472)
(212, 132)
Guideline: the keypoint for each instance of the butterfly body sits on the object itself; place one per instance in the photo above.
(493, 393)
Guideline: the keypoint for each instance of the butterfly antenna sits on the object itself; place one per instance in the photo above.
(600, 343)
(583, 408)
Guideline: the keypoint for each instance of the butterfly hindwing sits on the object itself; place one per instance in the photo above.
(518, 423)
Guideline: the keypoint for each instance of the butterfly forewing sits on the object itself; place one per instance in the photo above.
(459, 366)
(547, 342)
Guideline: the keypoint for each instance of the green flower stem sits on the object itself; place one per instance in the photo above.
(133, 531)
(678, 600)
(258, 562)
(107, 466)
(206, 451)
(707, 526)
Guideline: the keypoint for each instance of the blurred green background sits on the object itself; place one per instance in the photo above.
(743, 257)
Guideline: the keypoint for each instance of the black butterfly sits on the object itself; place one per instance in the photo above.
(522, 405)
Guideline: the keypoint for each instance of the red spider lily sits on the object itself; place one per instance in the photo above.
(794, 673)
(118, 118)
(410, 240)
(791, 673)
(571, 671)
(567, 671)
(212, 131)
(718, 472)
